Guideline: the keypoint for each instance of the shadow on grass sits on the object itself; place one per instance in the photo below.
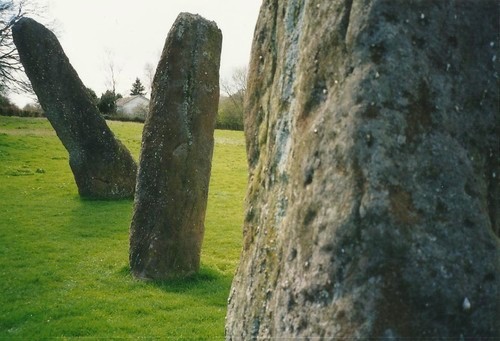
(106, 224)
(206, 279)
(99, 218)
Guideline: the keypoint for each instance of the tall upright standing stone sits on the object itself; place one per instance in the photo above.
(372, 206)
(177, 144)
(103, 168)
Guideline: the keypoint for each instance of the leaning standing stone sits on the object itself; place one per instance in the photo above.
(174, 171)
(103, 168)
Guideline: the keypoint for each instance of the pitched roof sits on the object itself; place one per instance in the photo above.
(124, 100)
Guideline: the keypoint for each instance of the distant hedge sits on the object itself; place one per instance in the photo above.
(230, 116)
(9, 109)
(20, 112)
(123, 118)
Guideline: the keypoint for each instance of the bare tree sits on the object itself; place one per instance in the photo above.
(149, 74)
(112, 71)
(236, 88)
(231, 105)
(150, 70)
(12, 76)
(10, 65)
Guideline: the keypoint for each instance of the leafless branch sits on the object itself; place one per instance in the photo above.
(236, 88)
(112, 70)
(12, 76)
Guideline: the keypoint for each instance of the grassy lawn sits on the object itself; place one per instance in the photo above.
(64, 261)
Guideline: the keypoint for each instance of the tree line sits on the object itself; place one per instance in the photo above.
(13, 80)
(229, 116)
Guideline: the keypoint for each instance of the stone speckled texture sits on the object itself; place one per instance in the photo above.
(176, 156)
(372, 208)
(103, 168)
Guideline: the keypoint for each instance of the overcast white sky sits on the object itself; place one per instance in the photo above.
(132, 34)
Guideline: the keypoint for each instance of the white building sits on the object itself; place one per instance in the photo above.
(133, 107)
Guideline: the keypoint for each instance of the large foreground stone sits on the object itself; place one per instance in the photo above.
(372, 138)
(103, 168)
(177, 144)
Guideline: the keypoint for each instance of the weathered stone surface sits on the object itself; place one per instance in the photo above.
(103, 168)
(372, 136)
(177, 144)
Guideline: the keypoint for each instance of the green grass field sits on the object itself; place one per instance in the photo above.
(64, 261)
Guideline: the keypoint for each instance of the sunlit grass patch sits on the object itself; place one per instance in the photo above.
(64, 261)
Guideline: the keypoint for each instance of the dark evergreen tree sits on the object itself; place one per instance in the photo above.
(137, 88)
(107, 103)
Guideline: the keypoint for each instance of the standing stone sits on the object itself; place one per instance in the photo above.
(372, 206)
(177, 144)
(102, 166)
